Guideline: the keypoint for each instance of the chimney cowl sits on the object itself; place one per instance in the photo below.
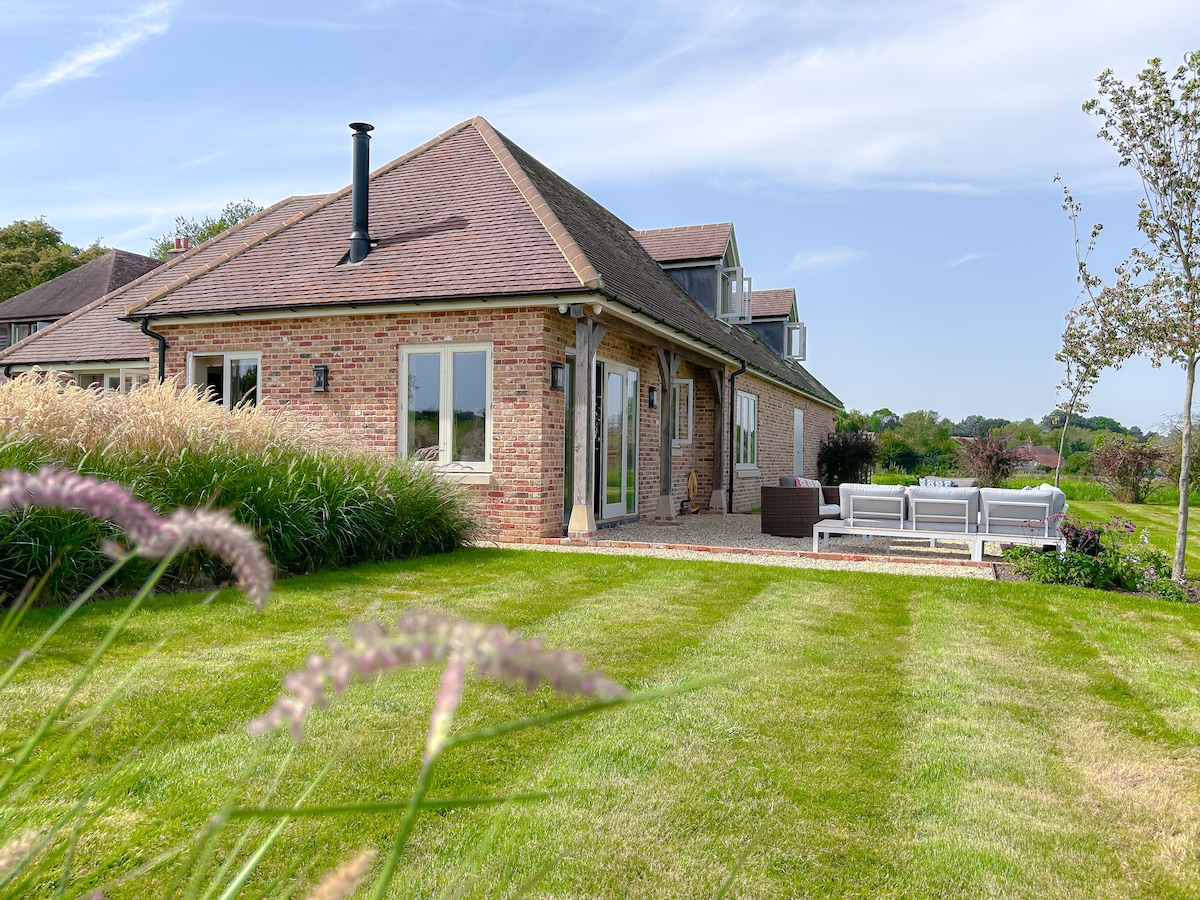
(360, 237)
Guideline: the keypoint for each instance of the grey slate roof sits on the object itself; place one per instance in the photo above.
(71, 290)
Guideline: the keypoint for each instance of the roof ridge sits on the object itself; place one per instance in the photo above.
(169, 264)
(325, 201)
(587, 274)
(193, 274)
(681, 228)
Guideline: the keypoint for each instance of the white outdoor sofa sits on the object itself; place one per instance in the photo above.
(970, 514)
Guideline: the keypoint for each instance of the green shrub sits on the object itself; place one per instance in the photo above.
(1101, 555)
(1128, 467)
(847, 457)
(990, 458)
(315, 504)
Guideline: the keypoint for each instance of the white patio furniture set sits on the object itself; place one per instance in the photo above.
(972, 514)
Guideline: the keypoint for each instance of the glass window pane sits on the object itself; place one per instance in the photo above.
(243, 382)
(683, 412)
(631, 431)
(470, 406)
(569, 442)
(614, 436)
(424, 403)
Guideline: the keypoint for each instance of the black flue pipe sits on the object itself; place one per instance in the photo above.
(360, 238)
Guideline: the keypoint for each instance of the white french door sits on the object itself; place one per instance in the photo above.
(618, 439)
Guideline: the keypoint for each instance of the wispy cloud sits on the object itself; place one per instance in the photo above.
(966, 258)
(121, 36)
(964, 99)
(824, 258)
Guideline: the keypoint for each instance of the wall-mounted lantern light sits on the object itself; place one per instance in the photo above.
(320, 378)
(652, 397)
(557, 376)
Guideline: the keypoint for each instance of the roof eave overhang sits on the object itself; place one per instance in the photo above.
(618, 306)
(117, 362)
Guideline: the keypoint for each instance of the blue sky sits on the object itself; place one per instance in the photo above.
(893, 162)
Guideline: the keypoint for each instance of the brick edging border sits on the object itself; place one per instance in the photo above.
(758, 551)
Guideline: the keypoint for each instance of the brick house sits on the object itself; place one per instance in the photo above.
(489, 317)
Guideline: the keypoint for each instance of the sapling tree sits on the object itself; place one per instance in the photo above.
(1089, 343)
(1154, 306)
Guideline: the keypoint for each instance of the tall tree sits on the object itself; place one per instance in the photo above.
(197, 231)
(1154, 125)
(32, 252)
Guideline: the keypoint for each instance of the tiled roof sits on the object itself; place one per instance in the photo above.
(450, 220)
(633, 278)
(78, 287)
(466, 215)
(772, 303)
(96, 333)
(686, 243)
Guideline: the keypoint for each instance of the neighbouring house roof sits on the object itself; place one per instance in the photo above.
(1042, 456)
(772, 303)
(687, 243)
(96, 332)
(71, 290)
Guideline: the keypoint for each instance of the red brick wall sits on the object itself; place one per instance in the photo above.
(525, 499)
(775, 438)
(362, 353)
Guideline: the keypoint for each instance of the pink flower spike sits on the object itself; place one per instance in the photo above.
(420, 638)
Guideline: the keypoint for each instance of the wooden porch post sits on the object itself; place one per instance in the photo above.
(587, 338)
(668, 365)
(718, 494)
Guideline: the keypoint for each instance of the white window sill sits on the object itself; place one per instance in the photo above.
(751, 471)
(460, 477)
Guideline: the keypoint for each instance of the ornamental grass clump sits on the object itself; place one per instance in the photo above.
(314, 501)
(44, 827)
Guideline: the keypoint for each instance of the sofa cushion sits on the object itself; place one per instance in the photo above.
(926, 481)
(927, 514)
(874, 504)
(830, 511)
(1007, 511)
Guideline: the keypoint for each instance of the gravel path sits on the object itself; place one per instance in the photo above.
(743, 532)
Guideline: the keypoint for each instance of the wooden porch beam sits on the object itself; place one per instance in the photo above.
(587, 338)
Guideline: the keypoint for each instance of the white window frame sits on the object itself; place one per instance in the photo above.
(446, 400)
(677, 439)
(134, 378)
(795, 341)
(746, 450)
(225, 355)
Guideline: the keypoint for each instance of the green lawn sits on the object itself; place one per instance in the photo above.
(1159, 520)
(896, 736)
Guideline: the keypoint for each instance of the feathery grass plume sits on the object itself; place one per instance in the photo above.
(345, 879)
(421, 637)
(155, 421)
(152, 535)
